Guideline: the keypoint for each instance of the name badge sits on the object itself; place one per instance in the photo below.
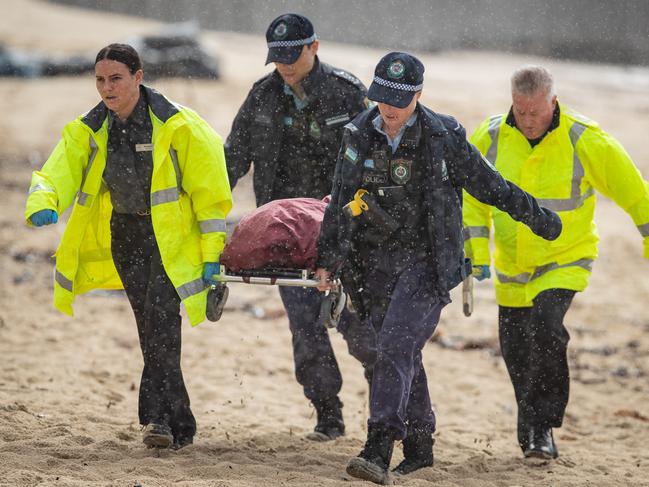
(143, 147)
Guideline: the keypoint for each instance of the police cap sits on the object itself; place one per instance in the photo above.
(285, 37)
(397, 77)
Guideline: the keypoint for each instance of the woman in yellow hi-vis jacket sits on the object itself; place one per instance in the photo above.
(149, 192)
(561, 158)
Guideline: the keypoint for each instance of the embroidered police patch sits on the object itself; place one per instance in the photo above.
(314, 130)
(400, 170)
(351, 155)
(280, 31)
(396, 70)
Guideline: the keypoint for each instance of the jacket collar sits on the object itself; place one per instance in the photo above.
(139, 116)
(162, 108)
(313, 82)
(431, 123)
(556, 115)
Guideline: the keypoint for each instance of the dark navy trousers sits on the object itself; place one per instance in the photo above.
(316, 368)
(404, 319)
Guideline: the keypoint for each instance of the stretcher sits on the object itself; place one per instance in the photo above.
(333, 301)
(276, 245)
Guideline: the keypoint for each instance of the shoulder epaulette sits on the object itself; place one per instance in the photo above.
(262, 80)
(351, 127)
(347, 76)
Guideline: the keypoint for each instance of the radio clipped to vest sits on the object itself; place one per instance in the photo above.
(365, 204)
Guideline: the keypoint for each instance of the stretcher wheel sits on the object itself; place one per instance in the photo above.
(216, 299)
(332, 307)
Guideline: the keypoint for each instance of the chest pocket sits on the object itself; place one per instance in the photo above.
(262, 131)
(331, 125)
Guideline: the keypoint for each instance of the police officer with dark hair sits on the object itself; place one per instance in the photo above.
(290, 127)
(147, 183)
(394, 230)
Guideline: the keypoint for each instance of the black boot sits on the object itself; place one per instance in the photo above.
(330, 420)
(157, 435)
(373, 462)
(181, 441)
(540, 443)
(417, 451)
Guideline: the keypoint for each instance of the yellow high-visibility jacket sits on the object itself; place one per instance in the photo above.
(190, 199)
(562, 172)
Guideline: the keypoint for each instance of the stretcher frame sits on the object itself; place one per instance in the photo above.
(273, 277)
(332, 306)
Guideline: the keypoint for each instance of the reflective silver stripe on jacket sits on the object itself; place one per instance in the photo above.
(170, 194)
(84, 198)
(476, 232)
(494, 130)
(174, 161)
(576, 199)
(164, 196)
(40, 187)
(213, 225)
(526, 277)
(63, 281)
(644, 229)
(191, 288)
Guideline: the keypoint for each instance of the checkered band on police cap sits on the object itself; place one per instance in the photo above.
(285, 37)
(398, 86)
(397, 77)
(290, 30)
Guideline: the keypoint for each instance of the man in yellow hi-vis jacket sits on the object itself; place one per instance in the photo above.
(149, 192)
(561, 158)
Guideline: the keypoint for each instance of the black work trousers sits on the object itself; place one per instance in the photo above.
(163, 397)
(534, 343)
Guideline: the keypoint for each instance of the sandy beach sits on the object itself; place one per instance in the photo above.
(68, 387)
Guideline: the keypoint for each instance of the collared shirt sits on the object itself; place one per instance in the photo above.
(394, 143)
(129, 164)
(300, 103)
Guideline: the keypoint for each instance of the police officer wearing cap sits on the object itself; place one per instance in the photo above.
(290, 127)
(393, 231)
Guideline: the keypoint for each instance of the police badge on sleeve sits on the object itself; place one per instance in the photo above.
(400, 170)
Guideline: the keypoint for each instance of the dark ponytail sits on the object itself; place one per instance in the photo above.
(122, 53)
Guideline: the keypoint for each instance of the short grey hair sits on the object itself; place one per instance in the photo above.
(532, 79)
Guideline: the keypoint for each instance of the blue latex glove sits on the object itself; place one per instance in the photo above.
(481, 272)
(44, 217)
(211, 269)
